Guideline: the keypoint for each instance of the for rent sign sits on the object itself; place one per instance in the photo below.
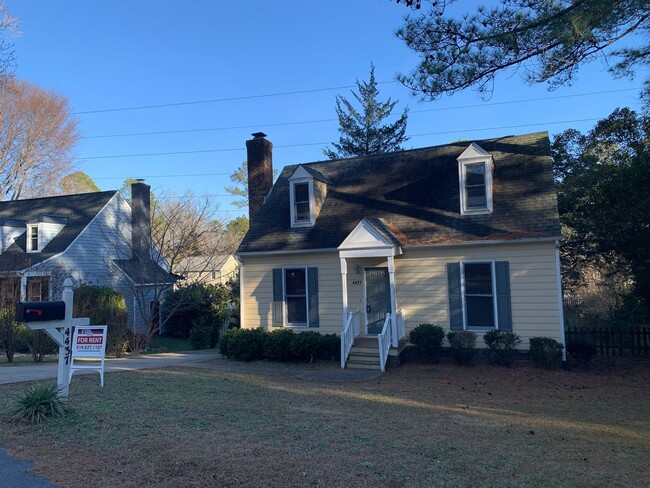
(89, 342)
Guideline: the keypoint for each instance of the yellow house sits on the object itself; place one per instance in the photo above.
(209, 270)
(464, 235)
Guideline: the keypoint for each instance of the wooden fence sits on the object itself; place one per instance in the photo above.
(614, 341)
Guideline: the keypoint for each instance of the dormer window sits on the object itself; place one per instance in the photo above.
(301, 205)
(307, 192)
(475, 178)
(32, 238)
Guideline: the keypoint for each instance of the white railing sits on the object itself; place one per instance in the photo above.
(351, 329)
(401, 326)
(384, 340)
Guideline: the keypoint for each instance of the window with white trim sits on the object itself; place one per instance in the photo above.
(295, 296)
(301, 206)
(479, 295)
(475, 168)
(32, 238)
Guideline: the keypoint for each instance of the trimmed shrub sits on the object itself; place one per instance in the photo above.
(581, 349)
(38, 403)
(224, 342)
(501, 347)
(104, 306)
(305, 345)
(277, 345)
(462, 346)
(246, 344)
(329, 347)
(545, 351)
(428, 340)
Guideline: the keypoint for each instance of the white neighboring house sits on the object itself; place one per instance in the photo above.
(210, 270)
(95, 238)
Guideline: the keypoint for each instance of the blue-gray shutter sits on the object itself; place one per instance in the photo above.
(455, 297)
(312, 280)
(504, 309)
(278, 298)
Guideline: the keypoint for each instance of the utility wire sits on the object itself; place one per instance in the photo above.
(216, 100)
(203, 151)
(441, 109)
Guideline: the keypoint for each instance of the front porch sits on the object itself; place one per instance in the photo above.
(373, 326)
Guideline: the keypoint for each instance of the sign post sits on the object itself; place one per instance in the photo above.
(89, 346)
(55, 318)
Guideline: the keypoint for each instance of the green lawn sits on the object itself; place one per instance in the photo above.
(420, 426)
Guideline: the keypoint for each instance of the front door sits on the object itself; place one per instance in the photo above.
(377, 298)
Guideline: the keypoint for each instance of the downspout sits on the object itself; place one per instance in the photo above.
(560, 301)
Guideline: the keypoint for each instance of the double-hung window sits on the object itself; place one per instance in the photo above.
(475, 188)
(301, 203)
(32, 238)
(295, 294)
(479, 295)
(295, 297)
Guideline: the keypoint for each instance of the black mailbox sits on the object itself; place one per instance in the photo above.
(40, 311)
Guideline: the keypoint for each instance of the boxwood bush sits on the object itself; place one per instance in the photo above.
(277, 345)
(329, 347)
(545, 351)
(428, 340)
(462, 346)
(305, 346)
(246, 344)
(501, 347)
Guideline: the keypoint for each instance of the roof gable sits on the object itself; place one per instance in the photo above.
(76, 210)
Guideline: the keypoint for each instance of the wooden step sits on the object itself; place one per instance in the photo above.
(362, 365)
(363, 359)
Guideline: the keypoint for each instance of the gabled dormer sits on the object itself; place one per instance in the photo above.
(10, 230)
(41, 230)
(475, 167)
(307, 192)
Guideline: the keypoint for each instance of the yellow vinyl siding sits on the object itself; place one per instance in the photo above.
(421, 283)
(257, 290)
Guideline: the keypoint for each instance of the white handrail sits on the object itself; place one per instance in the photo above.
(351, 329)
(401, 326)
(384, 340)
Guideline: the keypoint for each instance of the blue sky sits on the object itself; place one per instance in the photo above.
(228, 57)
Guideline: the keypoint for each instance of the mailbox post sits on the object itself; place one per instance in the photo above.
(55, 318)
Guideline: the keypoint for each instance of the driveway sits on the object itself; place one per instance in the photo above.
(17, 373)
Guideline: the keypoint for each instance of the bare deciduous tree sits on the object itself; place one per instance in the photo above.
(37, 135)
(8, 24)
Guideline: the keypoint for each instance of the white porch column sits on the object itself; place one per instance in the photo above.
(344, 286)
(393, 300)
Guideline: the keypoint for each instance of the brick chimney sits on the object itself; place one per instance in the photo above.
(141, 220)
(260, 172)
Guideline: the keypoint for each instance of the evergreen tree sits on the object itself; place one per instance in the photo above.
(547, 40)
(362, 131)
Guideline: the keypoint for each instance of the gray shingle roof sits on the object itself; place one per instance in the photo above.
(415, 193)
(79, 210)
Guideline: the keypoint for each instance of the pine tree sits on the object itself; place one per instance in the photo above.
(362, 131)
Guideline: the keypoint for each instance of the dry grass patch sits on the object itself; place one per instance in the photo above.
(437, 425)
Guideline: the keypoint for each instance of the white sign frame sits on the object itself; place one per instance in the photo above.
(90, 355)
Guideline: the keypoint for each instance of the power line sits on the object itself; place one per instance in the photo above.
(278, 124)
(162, 176)
(203, 151)
(216, 100)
